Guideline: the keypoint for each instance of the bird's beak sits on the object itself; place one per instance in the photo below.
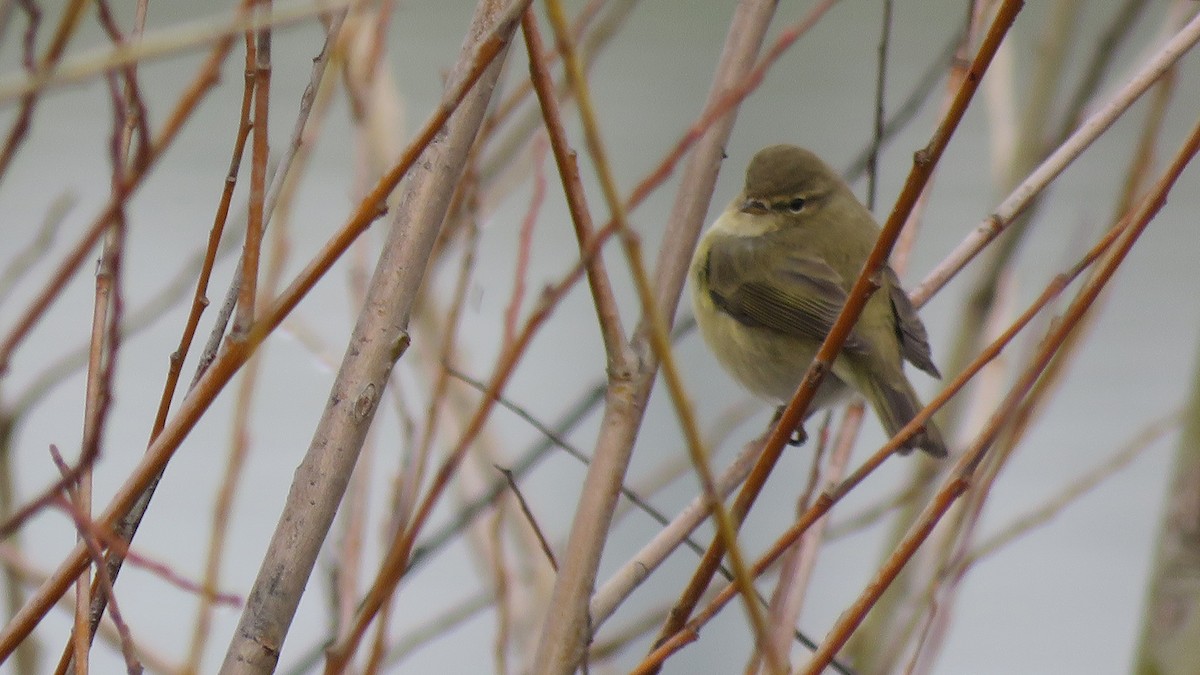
(754, 207)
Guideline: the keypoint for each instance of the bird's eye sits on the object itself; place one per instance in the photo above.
(796, 205)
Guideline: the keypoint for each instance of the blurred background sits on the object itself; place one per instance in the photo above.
(1064, 597)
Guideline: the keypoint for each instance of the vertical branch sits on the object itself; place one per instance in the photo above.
(607, 313)
(1169, 635)
(258, 177)
(885, 33)
(128, 526)
(525, 239)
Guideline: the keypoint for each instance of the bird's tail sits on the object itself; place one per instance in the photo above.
(897, 404)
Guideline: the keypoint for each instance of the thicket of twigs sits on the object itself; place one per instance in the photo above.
(520, 122)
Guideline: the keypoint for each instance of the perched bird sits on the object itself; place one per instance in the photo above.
(771, 275)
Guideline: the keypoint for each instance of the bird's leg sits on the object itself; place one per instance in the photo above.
(799, 435)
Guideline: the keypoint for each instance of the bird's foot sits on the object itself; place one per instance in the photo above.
(799, 435)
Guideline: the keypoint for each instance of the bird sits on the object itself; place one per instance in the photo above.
(770, 276)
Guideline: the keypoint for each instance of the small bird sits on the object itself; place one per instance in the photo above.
(771, 275)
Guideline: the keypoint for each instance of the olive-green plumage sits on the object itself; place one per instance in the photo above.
(771, 275)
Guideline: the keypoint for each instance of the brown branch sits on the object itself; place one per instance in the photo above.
(607, 312)
(129, 114)
(200, 299)
(525, 238)
(255, 224)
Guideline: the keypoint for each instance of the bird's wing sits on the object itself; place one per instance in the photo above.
(798, 295)
(914, 341)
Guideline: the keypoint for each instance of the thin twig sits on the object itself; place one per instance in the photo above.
(529, 517)
(166, 42)
(908, 109)
(880, 82)
(525, 239)
(599, 282)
